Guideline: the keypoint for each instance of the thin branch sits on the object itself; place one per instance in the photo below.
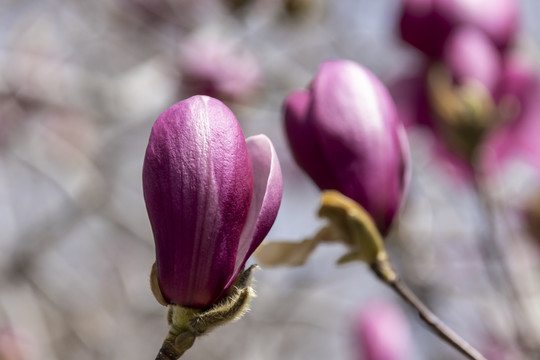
(383, 269)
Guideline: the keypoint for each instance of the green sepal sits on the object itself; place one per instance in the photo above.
(356, 227)
(186, 324)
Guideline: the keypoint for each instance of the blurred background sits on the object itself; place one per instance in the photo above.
(81, 83)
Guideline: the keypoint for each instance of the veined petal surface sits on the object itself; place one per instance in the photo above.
(198, 184)
(357, 127)
(267, 193)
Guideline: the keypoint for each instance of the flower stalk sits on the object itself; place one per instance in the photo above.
(352, 225)
(385, 272)
(341, 211)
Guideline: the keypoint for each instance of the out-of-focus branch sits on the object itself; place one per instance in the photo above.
(384, 271)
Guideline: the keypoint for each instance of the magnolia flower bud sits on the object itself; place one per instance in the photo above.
(426, 24)
(14, 345)
(381, 332)
(460, 91)
(211, 198)
(420, 26)
(470, 56)
(498, 19)
(493, 126)
(344, 132)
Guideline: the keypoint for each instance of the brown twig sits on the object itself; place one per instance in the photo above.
(175, 345)
(384, 271)
(168, 351)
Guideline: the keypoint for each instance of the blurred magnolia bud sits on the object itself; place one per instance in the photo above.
(498, 19)
(13, 345)
(344, 132)
(381, 332)
(217, 68)
(421, 27)
(426, 24)
(470, 56)
(211, 196)
(496, 349)
(460, 90)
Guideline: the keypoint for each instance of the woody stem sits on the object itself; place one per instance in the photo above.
(382, 270)
(175, 345)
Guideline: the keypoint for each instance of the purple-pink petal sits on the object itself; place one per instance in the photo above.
(358, 132)
(519, 79)
(198, 184)
(499, 19)
(426, 24)
(469, 55)
(410, 96)
(517, 137)
(267, 193)
(421, 26)
(303, 140)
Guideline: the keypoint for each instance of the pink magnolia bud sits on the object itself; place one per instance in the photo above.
(211, 197)
(13, 345)
(381, 332)
(421, 26)
(455, 98)
(217, 68)
(345, 133)
(514, 126)
(426, 24)
(498, 19)
(469, 55)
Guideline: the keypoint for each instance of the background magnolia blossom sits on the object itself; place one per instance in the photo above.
(381, 332)
(480, 56)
